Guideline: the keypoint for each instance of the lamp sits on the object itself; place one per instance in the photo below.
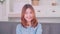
(35, 2)
(54, 3)
(1, 1)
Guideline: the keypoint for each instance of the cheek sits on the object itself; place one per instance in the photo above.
(32, 15)
(25, 16)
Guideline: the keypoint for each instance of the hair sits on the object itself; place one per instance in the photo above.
(23, 21)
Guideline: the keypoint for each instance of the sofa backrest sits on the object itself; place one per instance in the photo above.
(10, 28)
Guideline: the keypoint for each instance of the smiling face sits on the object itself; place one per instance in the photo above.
(28, 15)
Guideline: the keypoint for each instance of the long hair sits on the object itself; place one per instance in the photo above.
(23, 21)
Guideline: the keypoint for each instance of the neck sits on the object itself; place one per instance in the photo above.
(29, 23)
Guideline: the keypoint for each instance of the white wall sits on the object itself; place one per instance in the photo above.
(45, 15)
(4, 9)
(44, 7)
(0, 11)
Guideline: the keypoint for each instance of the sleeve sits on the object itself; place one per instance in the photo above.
(39, 29)
(18, 29)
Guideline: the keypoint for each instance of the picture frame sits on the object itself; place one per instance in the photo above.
(35, 2)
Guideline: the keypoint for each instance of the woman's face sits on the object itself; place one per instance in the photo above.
(28, 15)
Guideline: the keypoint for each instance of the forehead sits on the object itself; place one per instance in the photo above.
(28, 10)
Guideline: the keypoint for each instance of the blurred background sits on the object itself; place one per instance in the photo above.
(47, 13)
(46, 10)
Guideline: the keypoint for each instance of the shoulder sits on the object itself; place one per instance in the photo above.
(39, 24)
(39, 27)
(18, 26)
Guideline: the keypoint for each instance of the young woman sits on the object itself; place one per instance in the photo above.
(29, 24)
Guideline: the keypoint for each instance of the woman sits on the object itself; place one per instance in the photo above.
(29, 24)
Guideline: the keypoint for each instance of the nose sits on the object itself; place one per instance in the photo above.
(29, 15)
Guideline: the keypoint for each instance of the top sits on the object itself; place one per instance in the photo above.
(29, 30)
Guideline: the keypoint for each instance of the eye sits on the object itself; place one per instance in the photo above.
(26, 12)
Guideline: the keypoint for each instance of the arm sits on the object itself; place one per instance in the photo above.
(18, 29)
(39, 29)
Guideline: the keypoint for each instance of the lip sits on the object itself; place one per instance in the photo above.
(29, 18)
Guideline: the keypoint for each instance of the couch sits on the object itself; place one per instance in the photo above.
(10, 28)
